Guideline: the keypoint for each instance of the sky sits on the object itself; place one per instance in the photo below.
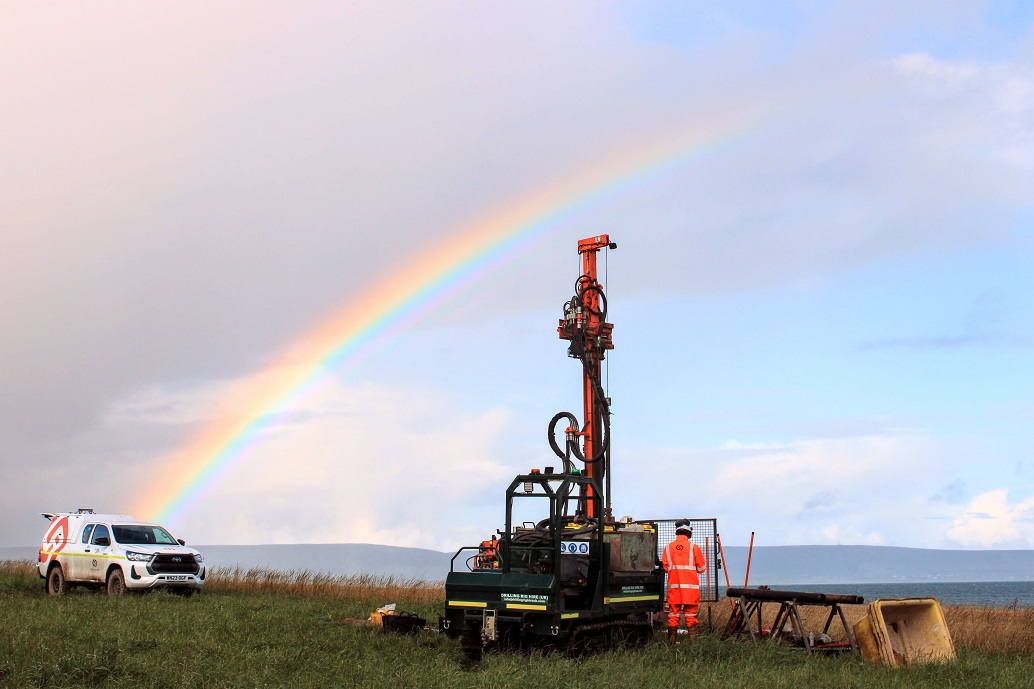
(822, 295)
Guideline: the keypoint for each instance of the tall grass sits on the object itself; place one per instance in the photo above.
(989, 629)
(267, 628)
(308, 583)
(716, 616)
(1008, 629)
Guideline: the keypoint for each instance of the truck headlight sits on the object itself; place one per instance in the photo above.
(199, 558)
(137, 557)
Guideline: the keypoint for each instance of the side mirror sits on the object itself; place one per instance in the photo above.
(181, 541)
(103, 541)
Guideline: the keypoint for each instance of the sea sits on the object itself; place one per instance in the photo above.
(998, 594)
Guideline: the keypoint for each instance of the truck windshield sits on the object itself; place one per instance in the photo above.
(142, 534)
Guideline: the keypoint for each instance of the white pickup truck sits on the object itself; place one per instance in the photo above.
(115, 552)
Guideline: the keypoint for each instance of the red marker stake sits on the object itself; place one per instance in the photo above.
(750, 553)
(721, 551)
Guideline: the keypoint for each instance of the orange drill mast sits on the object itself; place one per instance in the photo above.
(564, 581)
(585, 326)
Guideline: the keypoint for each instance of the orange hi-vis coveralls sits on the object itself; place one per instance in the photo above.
(684, 562)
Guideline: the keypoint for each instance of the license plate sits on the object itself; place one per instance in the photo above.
(176, 577)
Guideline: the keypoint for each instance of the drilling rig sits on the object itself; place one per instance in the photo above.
(563, 573)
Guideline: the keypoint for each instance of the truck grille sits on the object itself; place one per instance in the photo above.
(174, 564)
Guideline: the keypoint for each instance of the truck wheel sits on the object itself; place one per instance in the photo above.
(56, 583)
(116, 583)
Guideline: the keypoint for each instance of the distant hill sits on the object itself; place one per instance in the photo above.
(338, 558)
(335, 558)
(770, 565)
(850, 564)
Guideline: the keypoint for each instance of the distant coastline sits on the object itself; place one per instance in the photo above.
(824, 564)
(997, 594)
(770, 565)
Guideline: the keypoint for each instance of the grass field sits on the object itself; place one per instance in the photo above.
(261, 628)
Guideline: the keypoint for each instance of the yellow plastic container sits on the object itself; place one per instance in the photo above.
(378, 615)
(904, 631)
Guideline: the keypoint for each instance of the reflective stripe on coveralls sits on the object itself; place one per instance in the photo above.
(684, 562)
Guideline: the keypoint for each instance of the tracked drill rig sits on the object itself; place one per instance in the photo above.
(563, 573)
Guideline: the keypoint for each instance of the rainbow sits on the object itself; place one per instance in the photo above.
(408, 293)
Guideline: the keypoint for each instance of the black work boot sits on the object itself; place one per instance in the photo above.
(672, 634)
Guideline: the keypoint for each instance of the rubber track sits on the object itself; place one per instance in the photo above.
(637, 628)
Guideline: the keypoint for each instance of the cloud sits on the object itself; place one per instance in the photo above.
(867, 162)
(953, 493)
(992, 520)
(359, 464)
(356, 463)
(947, 342)
(850, 490)
(985, 113)
(985, 325)
(189, 190)
(807, 465)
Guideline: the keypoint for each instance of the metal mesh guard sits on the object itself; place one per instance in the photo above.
(705, 533)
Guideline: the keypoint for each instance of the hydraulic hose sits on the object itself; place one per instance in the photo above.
(541, 531)
(572, 422)
(604, 411)
(602, 313)
(579, 350)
